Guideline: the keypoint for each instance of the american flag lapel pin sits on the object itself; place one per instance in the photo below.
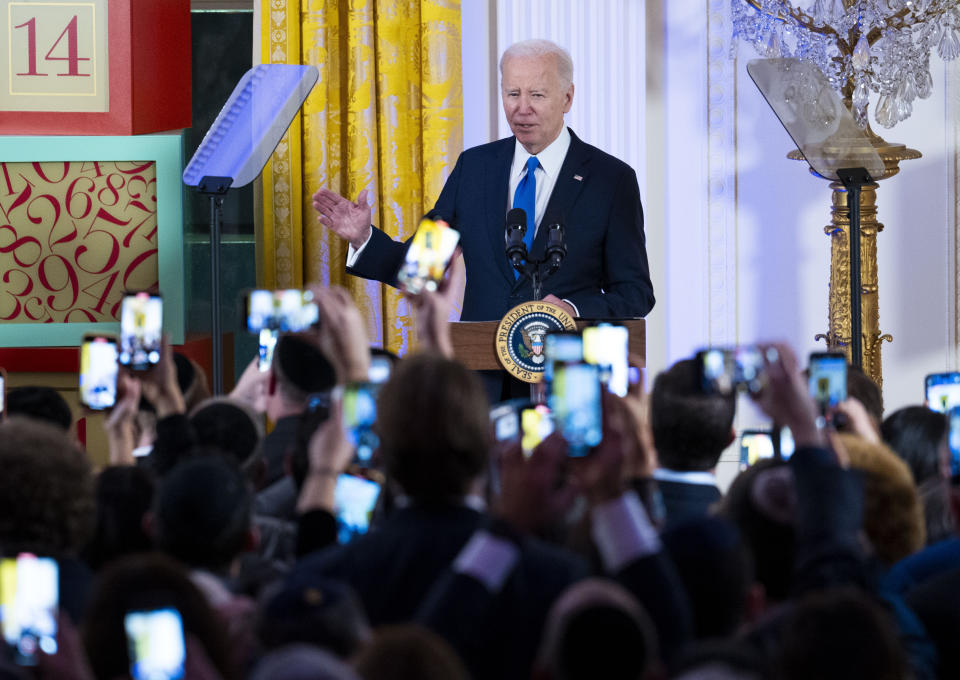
(578, 178)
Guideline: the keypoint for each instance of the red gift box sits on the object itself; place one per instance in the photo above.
(149, 75)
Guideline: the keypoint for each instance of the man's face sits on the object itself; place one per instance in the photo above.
(534, 100)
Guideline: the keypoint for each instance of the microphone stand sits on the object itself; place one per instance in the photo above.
(555, 252)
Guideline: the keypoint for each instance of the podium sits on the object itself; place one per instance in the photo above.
(474, 341)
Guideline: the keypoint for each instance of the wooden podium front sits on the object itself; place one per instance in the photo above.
(474, 341)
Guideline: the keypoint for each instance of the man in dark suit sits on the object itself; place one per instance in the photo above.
(551, 174)
(690, 431)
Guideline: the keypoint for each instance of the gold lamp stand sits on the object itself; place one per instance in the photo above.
(839, 333)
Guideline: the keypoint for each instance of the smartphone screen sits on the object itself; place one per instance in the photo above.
(98, 372)
(942, 391)
(428, 256)
(953, 440)
(506, 421)
(354, 500)
(536, 424)
(756, 445)
(141, 330)
(268, 342)
(288, 311)
(606, 346)
(359, 416)
(575, 403)
(566, 346)
(828, 378)
(155, 643)
(380, 367)
(29, 597)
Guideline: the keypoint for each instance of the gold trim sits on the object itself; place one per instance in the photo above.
(521, 314)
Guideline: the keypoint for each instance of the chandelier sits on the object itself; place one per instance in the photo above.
(862, 46)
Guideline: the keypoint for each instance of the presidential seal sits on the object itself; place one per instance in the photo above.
(520, 337)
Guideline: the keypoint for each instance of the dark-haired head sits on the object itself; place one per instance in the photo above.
(434, 428)
(46, 489)
(918, 435)
(40, 403)
(690, 428)
(202, 513)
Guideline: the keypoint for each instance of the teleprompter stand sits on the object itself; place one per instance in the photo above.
(833, 144)
(234, 152)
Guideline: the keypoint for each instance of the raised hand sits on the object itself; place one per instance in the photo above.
(349, 220)
(432, 309)
(342, 336)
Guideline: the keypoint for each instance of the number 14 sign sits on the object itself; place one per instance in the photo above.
(56, 58)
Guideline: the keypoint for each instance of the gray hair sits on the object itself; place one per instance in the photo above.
(539, 48)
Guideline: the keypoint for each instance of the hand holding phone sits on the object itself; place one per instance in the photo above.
(428, 256)
(98, 371)
(725, 370)
(354, 501)
(359, 416)
(29, 598)
(286, 311)
(828, 379)
(576, 406)
(156, 644)
(141, 330)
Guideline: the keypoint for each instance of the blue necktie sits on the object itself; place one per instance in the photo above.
(526, 198)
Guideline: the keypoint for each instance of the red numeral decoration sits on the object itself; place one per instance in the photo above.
(73, 57)
(31, 27)
(74, 237)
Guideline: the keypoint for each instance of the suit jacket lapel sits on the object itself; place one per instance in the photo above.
(496, 187)
(573, 175)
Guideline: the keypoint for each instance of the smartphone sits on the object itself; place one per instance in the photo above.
(828, 378)
(29, 598)
(606, 345)
(268, 343)
(3, 393)
(756, 445)
(141, 330)
(427, 257)
(359, 416)
(724, 370)
(354, 500)
(575, 404)
(561, 346)
(380, 367)
(98, 372)
(155, 644)
(505, 419)
(532, 423)
(942, 391)
(289, 310)
(536, 424)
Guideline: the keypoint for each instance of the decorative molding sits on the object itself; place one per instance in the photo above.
(952, 116)
(721, 104)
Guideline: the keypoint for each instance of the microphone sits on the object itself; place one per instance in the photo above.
(516, 230)
(556, 248)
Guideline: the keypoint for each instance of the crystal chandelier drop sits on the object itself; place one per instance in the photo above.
(862, 46)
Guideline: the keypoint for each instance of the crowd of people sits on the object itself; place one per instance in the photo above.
(481, 561)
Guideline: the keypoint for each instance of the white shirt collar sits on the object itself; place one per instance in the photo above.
(551, 158)
(693, 477)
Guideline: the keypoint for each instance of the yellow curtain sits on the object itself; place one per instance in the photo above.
(386, 115)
